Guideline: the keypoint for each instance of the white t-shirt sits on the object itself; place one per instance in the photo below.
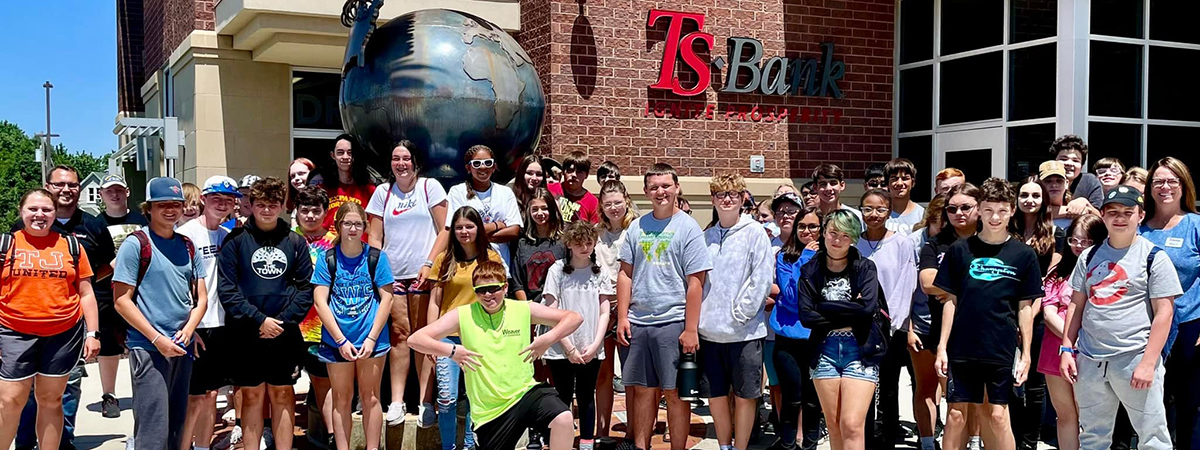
(497, 204)
(608, 247)
(408, 228)
(903, 223)
(578, 291)
(208, 246)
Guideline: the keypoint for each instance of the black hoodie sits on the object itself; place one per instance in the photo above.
(265, 274)
(865, 301)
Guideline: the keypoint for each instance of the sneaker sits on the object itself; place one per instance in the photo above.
(229, 417)
(426, 415)
(110, 408)
(230, 439)
(535, 441)
(779, 445)
(395, 414)
(975, 444)
(129, 443)
(267, 440)
(618, 386)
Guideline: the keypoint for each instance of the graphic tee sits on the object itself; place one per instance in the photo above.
(354, 297)
(310, 327)
(208, 248)
(989, 281)
(904, 223)
(532, 259)
(497, 204)
(408, 228)
(121, 227)
(578, 291)
(1118, 313)
(663, 253)
(837, 286)
(39, 292)
(586, 207)
(165, 295)
(354, 193)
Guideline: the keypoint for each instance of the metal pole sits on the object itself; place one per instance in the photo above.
(46, 163)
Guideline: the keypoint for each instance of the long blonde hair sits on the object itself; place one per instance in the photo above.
(616, 187)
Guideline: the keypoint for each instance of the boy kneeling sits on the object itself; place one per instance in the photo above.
(497, 354)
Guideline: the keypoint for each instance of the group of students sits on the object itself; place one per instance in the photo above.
(981, 294)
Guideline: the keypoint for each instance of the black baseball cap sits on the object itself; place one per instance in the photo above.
(1124, 195)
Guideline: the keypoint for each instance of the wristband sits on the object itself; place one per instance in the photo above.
(1065, 349)
(92, 334)
(428, 263)
(342, 342)
(155, 339)
(453, 348)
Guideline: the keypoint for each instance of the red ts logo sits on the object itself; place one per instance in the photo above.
(675, 45)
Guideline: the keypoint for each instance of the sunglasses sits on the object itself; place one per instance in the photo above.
(953, 209)
(483, 163)
(489, 288)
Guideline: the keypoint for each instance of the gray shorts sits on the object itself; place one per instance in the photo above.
(652, 357)
(26, 355)
(736, 364)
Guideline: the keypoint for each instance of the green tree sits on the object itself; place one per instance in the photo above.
(18, 171)
(84, 162)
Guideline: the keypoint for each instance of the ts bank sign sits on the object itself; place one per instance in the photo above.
(774, 76)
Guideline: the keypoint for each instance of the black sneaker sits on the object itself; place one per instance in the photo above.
(779, 445)
(110, 408)
(535, 441)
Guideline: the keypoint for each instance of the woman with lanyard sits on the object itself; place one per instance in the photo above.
(353, 298)
(351, 183)
(1172, 224)
(406, 216)
(496, 203)
(48, 318)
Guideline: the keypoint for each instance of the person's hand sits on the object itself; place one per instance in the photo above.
(270, 328)
(1067, 368)
(467, 359)
(199, 343)
(347, 350)
(367, 349)
(536, 348)
(1021, 372)
(813, 245)
(421, 277)
(182, 337)
(576, 356)
(1197, 342)
(590, 353)
(914, 342)
(1078, 207)
(690, 340)
(91, 347)
(1143, 375)
(942, 363)
(167, 348)
(624, 334)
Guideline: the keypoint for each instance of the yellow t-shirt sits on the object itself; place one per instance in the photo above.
(459, 290)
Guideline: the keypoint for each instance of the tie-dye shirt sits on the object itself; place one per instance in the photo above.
(310, 327)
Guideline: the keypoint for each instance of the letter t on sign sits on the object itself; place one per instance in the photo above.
(681, 46)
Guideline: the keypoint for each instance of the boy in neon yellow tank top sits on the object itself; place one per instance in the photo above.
(497, 356)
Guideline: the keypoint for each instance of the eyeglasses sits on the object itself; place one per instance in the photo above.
(613, 205)
(811, 228)
(726, 194)
(64, 184)
(873, 184)
(1076, 242)
(869, 210)
(953, 209)
(489, 288)
(354, 225)
(1107, 170)
(483, 163)
(787, 211)
(1168, 182)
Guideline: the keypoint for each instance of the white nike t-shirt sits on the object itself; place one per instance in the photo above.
(408, 228)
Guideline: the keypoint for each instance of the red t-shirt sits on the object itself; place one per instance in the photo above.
(39, 290)
(586, 207)
(358, 193)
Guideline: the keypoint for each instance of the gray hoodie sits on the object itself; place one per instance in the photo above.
(735, 291)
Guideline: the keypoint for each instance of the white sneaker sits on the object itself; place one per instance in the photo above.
(129, 443)
(267, 440)
(229, 416)
(229, 440)
(426, 415)
(395, 414)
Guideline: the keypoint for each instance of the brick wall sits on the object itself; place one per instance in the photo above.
(166, 23)
(130, 73)
(602, 58)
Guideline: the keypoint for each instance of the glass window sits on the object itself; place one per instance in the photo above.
(916, 30)
(317, 151)
(1175, 21)
(916, 99)
(1179, 142)
(1117, 18)
(1114, 140)
(975, 164)
(315, 100)
(971, 24)
(1028, 146)
(1033, 19)
(1115, 87)
(1174, 93)
(1031, 92)
(972, 88)
(919, 150)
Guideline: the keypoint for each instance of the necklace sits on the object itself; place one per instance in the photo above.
(873, 244)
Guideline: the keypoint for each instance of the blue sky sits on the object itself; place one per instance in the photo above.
(73, 44)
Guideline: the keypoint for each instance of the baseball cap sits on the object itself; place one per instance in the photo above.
(787, 197)
(220, 184)
(164, 189)
(1050, 168)
(113, 180)
(248, 181)
(1124, 195)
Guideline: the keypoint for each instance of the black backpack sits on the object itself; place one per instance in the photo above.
(372, 264)
(6, 247)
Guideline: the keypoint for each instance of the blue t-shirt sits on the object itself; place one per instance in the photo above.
(785, 317)
(164, 297)
(1182, 244)
(353, 299)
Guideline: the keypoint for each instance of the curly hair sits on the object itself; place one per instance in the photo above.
(997, 190)
(1069, 142)
(269, 189)
(578, 232)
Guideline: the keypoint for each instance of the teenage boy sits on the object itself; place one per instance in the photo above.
(312, 204)
(808, 193)
(218, 199)
(990, 281)
(497, 353)
(244, 207)
(157, 270)
(663, 266)
(902, 177)
(121, 221)
(829, 186)
(264, 287)
(1120, 312)
(732, 325)
(608, 171)
(947, 179)
(575, 202)
(875, 177)
(1085, 188)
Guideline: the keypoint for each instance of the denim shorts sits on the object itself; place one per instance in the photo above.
(841, 358)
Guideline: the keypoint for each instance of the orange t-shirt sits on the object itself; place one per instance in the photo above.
(39, 292)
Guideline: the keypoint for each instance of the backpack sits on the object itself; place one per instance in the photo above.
(146, 252)
(372, 264)
(6, 247)
(1087, 262)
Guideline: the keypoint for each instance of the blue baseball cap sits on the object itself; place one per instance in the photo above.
(164, 189)
(220, 184)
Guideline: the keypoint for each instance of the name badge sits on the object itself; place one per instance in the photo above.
(1174, 242)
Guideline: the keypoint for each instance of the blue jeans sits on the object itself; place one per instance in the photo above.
(450, 393)
(26, 431)
(841, 358)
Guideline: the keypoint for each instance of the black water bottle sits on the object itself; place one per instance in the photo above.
(688, 379)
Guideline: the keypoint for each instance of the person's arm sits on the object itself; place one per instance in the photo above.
(1054, 323)
(188, 332)
(301, 281)
(942, 362)
(1025, 326)
(500, 233)
(927, 276)
(438, 212)
(381, 319)
(509, 229)
(428, 340)
(123, 302)
(601, 329)
(690, 338)
(624, 296)
(1074, 321)
(1160, 327)
(228, 291)
(435, 303)
(105, 251)
(375, 231)
(864, 306)
(91, 316)
(564, 322)
(758, 286)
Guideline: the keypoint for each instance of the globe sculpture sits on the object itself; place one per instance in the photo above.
(444, 79)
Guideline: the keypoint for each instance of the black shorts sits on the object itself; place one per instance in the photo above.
(26, 355)
(272, 361)
(210, 370)
(736, 364)
(312, 362)
(536, 409)
(970, 380)
(112, 332)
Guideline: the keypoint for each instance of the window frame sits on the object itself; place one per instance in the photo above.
(305, 133)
